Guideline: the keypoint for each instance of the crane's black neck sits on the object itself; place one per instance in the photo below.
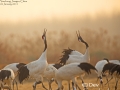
(85, 44)
(45, 42)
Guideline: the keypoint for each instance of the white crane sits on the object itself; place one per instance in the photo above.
(49, 74)
(99, 66)
(6, 77)
(14, 67)
(115, 71)
(70, 71)
(71, 56)
(36, 68)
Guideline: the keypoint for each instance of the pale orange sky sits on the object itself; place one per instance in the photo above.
(60, 9)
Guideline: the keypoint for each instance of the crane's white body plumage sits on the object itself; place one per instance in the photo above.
(115, 61)
(74, 52)
(37, 67)
(67, 72)
(12, 66)
(79, 58)
(99, 66)
(50, 72)
(70, 71)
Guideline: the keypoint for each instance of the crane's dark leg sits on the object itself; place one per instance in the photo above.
(109, 80)
(75, 84)
(16, 84)
(108, 83)
(13, 84)
(68, 85)
(34, 86)
(50, 82)
(116, 84)
(101, 82)
(50, 86)
(97, 79)
(78, 87)
(44, 86)
(83, 83)
(14, 81)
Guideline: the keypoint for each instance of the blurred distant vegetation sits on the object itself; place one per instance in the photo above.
(20, 48)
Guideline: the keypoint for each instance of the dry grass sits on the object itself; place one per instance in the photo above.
(19, 48)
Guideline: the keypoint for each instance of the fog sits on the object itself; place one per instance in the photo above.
(70, 24)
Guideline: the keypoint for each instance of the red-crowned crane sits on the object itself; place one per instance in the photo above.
(106, 71)
(70, 71)
(99, 66)
(71, 56)
(115, 71)
(36, 68)
(49, 74)
(14, 67)
(6, 77)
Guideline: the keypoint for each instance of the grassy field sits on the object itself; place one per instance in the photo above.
(19, 48)
(28, 85)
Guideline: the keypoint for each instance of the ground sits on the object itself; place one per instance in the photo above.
(91, 82)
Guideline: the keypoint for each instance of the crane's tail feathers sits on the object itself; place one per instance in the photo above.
(116, 69)
(65, 56)
(87, 67)
(23, 73)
